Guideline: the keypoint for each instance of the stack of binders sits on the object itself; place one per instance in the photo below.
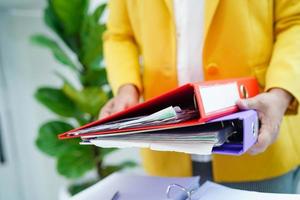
(199, 118)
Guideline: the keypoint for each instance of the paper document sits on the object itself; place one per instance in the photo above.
(165, 116)
(200, 148)
(137, 187)
(187, 134)
(193, 140)
(197, 139)
(213, 191)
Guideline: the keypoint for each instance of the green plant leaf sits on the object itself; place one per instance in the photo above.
(107, 170)
(70, 13)
(56, 100)
(57, 51)
(99, 12)
(94, 77)
(90, 99)
(55, 24)
(48, 142)
(91, 52)
(128, 164)
(78, 187)
(76, 163)
(52, 21)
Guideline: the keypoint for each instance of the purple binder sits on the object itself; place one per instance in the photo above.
(248, 125)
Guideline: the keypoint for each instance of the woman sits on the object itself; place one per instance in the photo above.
(154, 46)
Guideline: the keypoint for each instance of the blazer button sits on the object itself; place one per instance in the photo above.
(212, 69)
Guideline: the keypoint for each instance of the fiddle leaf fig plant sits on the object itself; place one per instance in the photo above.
(77, 46)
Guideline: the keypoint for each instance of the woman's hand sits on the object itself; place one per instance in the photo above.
(127, 96)
(271, 107)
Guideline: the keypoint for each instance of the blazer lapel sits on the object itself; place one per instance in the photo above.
(169, 4)
(210, 9)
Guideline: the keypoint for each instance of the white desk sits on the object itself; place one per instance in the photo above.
(105, 189)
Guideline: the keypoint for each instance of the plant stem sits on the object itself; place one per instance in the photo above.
(98, 161)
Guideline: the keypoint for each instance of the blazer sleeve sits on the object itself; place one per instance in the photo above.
(120, 48)
(284, 69)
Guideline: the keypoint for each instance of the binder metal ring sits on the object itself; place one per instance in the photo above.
(187, 192)
(244, 91)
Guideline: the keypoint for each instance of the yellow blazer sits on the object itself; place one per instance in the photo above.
(241, 38)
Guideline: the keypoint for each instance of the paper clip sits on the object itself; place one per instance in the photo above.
(186, 191)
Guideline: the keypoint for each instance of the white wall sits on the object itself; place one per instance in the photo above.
(23, 68)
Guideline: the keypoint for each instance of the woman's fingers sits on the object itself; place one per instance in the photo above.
(106, 109)
(270, 107)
